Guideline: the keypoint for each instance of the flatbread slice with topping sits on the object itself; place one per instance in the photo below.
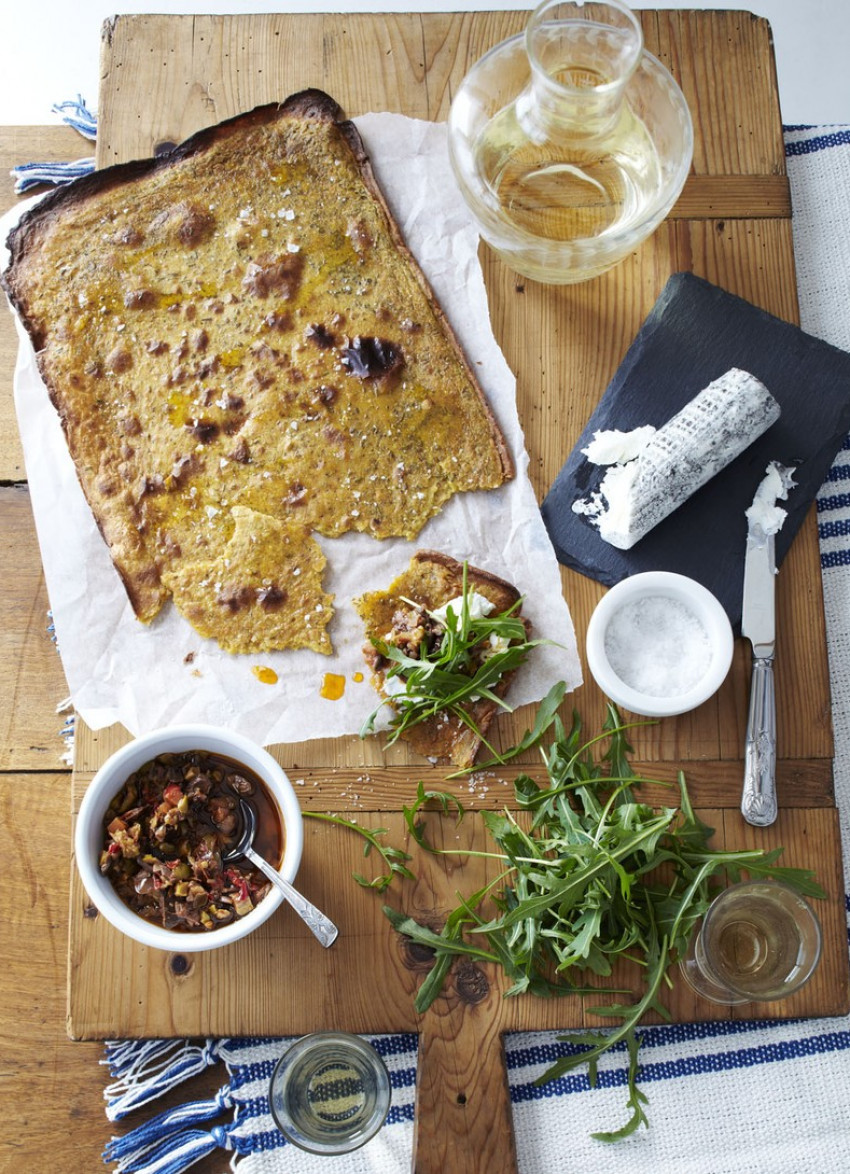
(399, 616)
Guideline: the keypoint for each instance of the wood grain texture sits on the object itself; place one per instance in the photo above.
(32, 682)
(564, 342)
(198, 70)
(732, 226)
(45, 1080)
(52, 1087)
(462, 1092)
(367, 981)
(802, 782)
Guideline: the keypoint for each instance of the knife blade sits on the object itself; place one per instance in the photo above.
(758, 625)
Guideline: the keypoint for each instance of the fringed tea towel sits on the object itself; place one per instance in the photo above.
(724, 1099)
(237, 1119)
(29, 175)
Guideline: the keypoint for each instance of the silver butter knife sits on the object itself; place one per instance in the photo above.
(758, 624)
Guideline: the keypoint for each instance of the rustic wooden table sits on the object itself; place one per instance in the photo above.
(732, 226)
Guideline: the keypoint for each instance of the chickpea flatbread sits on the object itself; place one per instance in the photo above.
(239, 325)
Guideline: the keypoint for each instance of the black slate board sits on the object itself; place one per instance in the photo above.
(694, 333)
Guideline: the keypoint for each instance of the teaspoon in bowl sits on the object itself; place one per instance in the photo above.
(322, 928)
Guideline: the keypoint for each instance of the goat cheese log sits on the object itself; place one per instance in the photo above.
(706, 435)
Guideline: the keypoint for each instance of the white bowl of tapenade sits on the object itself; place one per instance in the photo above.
(157, 823)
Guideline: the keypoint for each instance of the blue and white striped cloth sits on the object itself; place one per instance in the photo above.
(31, 175)
(726, 1098)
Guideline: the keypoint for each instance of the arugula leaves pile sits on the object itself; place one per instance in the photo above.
(591, 875)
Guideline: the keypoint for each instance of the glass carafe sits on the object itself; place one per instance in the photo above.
(570, 142)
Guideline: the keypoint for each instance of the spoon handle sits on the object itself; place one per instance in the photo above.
(322, 928)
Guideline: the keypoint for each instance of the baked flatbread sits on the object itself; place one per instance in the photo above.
(239, 326)
(263, 588)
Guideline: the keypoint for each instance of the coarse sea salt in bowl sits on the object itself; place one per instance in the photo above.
(659, 644)
(279, 824)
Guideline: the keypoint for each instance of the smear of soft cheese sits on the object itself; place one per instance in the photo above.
(610, 508)
(479, 607)
(765, 517)
(613, 447)
(616, 489)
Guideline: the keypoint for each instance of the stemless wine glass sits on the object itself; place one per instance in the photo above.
(759, 941)
(330, 1093)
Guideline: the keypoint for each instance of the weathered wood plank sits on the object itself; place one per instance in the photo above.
(32, 683)
(52, 1087)
(204, 993)
(802, 783)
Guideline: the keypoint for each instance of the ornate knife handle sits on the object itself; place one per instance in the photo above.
(320, 925)
(758, 802)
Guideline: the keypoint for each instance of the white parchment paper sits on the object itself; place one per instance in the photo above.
(119, 670)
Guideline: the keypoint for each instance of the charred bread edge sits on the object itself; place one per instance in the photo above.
(145, 591)
(306, 104)
(310, 103)
(474, 574)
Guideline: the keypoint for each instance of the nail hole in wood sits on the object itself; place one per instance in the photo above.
(461, 1098)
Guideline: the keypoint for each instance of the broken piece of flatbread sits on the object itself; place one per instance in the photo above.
(262, 589)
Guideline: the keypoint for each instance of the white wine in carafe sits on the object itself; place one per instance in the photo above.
(571, 186)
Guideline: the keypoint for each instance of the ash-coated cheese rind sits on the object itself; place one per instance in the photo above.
(706, 435)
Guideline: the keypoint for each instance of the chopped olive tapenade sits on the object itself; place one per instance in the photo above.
(166, 833)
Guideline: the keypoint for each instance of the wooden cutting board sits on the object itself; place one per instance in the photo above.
(164, 77)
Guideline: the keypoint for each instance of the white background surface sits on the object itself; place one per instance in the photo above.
(49, 49)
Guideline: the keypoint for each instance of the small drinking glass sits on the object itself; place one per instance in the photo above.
(330, 1093)
(759, 941)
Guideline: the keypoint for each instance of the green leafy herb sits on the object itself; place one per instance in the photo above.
(451, 673)
(591, 875)
(423, 797)
(544, 717)
(394, 858)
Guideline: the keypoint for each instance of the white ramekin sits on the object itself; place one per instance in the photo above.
(697, 599)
